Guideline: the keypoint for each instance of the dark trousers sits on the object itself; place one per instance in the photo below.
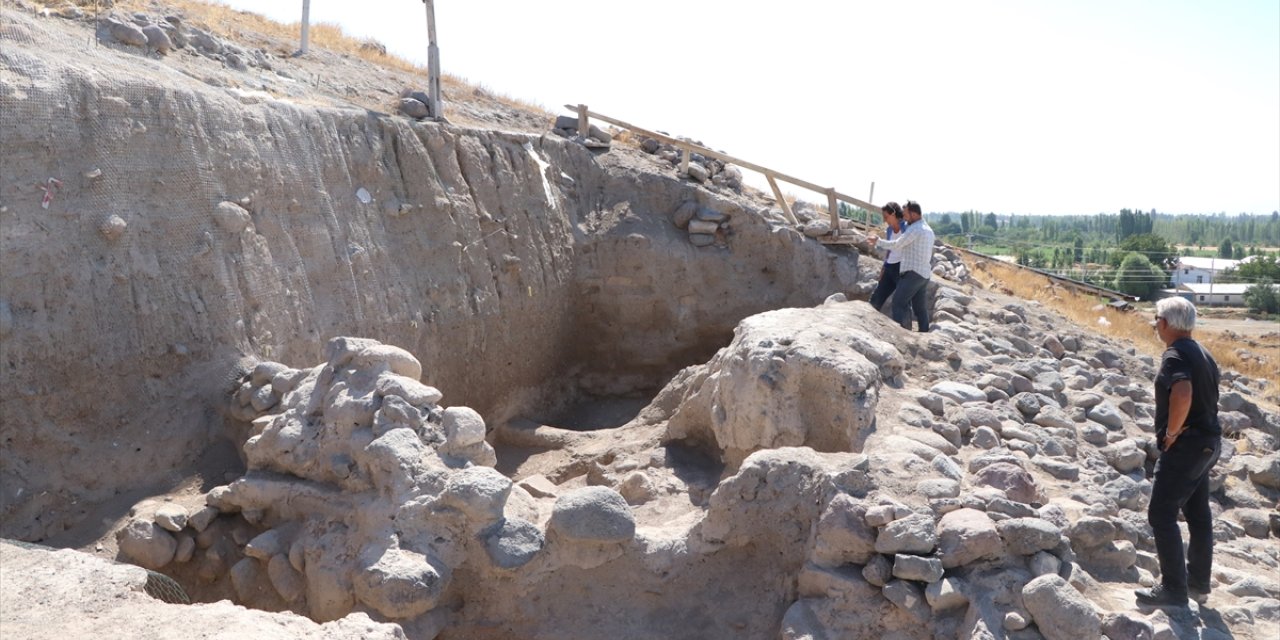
(1182, 484)
(884, 288)
(911, 292)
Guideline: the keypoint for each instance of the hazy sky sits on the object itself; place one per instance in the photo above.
(1011, 106)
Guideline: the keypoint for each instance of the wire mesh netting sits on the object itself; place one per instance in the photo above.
(158, 585)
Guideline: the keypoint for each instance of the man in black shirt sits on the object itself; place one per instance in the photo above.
(1190, 440)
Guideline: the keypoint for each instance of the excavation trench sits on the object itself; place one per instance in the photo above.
(198, 235)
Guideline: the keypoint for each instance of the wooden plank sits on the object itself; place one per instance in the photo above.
(782, 202)
(834, 206)
(724, 157)
(584, 125)
(684, 162)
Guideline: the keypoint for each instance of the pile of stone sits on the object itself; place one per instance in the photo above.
(363, 493)
(995, 499)
(702, 169)
(596, 138)
(162, 35)
(708, 222)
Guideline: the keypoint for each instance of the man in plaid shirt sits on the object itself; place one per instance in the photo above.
(916, 248)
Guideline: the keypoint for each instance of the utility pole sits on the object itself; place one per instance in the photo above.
(433, 61)
(306, 26)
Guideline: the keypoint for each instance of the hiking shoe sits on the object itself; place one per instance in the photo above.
(1160, 596)
(1198, 593)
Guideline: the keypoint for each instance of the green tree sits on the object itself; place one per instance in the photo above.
(1224, 249)
(1157, 250)
(1255, 270)
(1139, 277)
(1262, 297)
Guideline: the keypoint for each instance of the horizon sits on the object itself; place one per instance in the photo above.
(996, 106)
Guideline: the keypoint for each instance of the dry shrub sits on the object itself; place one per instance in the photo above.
(244, 26)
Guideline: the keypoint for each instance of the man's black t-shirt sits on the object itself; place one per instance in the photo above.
(1185, 359)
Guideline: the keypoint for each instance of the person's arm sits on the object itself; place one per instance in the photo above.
(1179, 407)
(901, 242)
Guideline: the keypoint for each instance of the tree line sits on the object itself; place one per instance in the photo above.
(1131, 251)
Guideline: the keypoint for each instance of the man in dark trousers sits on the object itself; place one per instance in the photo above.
(1190, 440)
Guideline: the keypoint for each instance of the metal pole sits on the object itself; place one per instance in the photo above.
(433, 61)
(306, 26)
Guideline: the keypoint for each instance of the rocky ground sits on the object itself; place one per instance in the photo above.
(823, 474)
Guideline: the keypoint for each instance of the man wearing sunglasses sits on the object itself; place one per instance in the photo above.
(1190, 439)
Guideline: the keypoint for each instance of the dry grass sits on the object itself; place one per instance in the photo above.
(1132, 327)
(245, 27)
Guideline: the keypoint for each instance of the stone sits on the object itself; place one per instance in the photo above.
(398, 583)
(127, 34)
(112, 228)
(202, 518)
(701, 239)
(1126, 625)
(1043, 563)
(186, 548)
(388, 358)
(945, 594)
(842, 534)
(1125, 456)
(463, 426)
(412, 391)
(513, 542)
(231, 217)
(967, 535)
(908, 597)
(171, 517)
(1090, 531)
(1060, 612)
(1117, 554)
(919, 568)
(1013, 480)
(592, 514)
(1266, 472)
(157, 39)
(480, 493)
(414, 108)
(703, 227)
(539, 486)
(684, 214)
(1053, 418)
(880, 515)
(266, 544)
(1026, 536)
(1014, 621)
(286, 580)
(959, 392)
(146, 544)
(912, 534)
(938, 488)
(637, 488)
(698, 172)
(985, 438)
(878, 571)
(1107, 415)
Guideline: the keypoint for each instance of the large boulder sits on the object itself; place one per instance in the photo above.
(967, 535)
(791, 377)
(1059, 611)
(592, 514)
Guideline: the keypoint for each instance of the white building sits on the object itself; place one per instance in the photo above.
(1193, 270)
(1213, 294)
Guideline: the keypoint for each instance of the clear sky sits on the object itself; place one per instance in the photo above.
(1006, 106)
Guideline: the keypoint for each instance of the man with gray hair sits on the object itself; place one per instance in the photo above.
(1190, 439)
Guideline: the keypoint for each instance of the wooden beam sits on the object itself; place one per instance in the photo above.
(584, 125)
(782, 202)
(834, 206)
(724, 157)
(684, 162)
